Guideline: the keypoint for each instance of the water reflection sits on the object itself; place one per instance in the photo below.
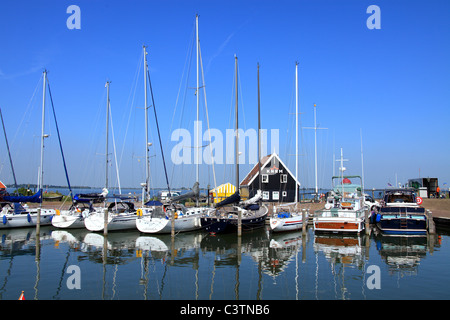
(402, 255)
(196, 265)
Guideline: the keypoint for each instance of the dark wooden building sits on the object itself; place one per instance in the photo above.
(277, 182)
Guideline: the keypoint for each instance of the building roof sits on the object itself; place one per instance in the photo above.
(254, 173)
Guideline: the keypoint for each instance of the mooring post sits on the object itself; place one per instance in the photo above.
(430, 222)
(304, 221)
(367, 222)
(105, 226)
(38, 221)
(172, 232)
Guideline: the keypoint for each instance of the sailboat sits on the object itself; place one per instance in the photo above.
(121, 214)
(288, 217)
(172, 217)
(242, 215)
(15, 214)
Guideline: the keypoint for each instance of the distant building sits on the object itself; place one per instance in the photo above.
(222, 192)
(277, 182)
(426, 187)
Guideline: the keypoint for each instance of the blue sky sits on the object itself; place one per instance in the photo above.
(392, 84)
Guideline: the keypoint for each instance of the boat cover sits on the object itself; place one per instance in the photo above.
(36, 198)
(153, 203)
(88, 197)
(234, 198)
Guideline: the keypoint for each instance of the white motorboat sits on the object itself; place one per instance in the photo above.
(345, 211)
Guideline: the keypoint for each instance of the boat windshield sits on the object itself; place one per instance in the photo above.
(399, 198)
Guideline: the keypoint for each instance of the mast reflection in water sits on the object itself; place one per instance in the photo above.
(199, 266)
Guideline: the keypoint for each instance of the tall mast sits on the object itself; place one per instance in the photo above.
(9, 153)
(147, 161)
(296, 132)
(259, 134)
(315, 151)
(239, 231)
(237, 127)
(197, 93)
(41, 180)
(107, 132)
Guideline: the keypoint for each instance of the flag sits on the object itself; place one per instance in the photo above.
(22, 296)
(390, 185)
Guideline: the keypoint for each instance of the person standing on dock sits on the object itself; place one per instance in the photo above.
(438, 191)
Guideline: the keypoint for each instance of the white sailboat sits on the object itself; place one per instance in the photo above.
(13, 213)
(173, 217)
(289, 217)
(121, 215)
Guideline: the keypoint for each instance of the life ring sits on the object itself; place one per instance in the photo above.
(419, 200)
(139, 212)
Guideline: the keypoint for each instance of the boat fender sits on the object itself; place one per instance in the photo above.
(58, 212)
(176, 215)
(378, 218)
(28, 217)
(139, 212)
(5, 220)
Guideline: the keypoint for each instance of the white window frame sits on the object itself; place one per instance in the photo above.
(283, 178)
(265, 178)
(284, 194)
(275, 195)
(266, 195)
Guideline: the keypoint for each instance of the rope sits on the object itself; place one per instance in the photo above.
(157, 127)
(59, 138)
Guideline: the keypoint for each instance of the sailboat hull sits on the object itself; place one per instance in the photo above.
(291, 223)
(148, 224)
(26, 219)
(96, 222)
(230, 224)
(68, 221)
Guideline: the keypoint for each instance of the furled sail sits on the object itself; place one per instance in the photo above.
(191, 194)
(234, 198)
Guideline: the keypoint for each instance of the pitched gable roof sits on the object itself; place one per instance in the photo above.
(254, 173)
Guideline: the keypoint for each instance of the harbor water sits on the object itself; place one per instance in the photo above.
(78, 264)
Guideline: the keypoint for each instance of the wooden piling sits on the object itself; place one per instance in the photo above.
(304, 221)
(431, 225)
(38, 221)
(172, 218)
(105, 226)
(367, 222)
